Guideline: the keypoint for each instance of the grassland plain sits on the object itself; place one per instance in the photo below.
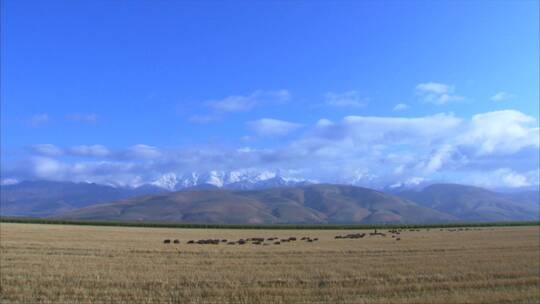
(91, 264)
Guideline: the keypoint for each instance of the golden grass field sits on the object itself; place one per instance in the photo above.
(86, 264)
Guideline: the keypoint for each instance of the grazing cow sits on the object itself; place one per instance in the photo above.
(167, 241)
(398, 239)
(191, 242)
(277, 243)
(315, 239)
(231, 243)
(241, 242)
(224, 241)
(176, 241)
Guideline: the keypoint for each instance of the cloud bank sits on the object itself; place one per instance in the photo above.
(437, 93)
(492, 149)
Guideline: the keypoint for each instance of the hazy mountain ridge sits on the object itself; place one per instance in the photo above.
(273, 200)
(309, 204)
(471, 203)
(43, 198)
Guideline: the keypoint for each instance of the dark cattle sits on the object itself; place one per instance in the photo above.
(377, 233)
(315, 239)
(231, 243)
(241, 242)
(224, 241)
(167, 241)
(352, 236)
(398, 239)
(191, 242)
(277, 243)
(176, 241)
(292, 238)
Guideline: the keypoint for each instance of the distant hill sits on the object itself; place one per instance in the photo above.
(44, 198)
(307, 204)
(275, 203)
(470, 203)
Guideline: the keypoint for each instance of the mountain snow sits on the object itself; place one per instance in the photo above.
(223, 179)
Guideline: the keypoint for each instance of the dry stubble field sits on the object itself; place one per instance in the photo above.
(85, 264)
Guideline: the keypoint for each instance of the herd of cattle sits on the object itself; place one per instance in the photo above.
(395, 233)
(253, 241)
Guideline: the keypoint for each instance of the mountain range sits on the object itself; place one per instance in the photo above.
(237, 180)
(44, 198)
(266, 200)
(308, 204)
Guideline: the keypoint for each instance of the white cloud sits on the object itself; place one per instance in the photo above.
(437, 160)
(48, 168)
(410, 182)
(8, 181)
(437, 93)
(502, 96)
(143, 151)
(106, 172)
(434, 87)
(239, 103)
(388, 130)
(39, 120)
(345, 99)
(400, 107)
(504, 177)
(272, 127)
(84, 118)
(46, 150)
(91, 150)
(503, 132)
(369, 150)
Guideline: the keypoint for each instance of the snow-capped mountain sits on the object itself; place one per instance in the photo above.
(241, 180)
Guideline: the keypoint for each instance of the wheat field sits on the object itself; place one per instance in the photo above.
(90, 264)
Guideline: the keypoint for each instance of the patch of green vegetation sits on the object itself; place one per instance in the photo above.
(269, 226)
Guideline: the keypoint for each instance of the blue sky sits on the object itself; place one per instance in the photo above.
(125, 91)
